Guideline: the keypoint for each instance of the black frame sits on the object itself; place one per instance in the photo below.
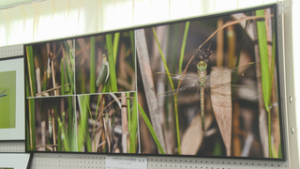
(282, 124)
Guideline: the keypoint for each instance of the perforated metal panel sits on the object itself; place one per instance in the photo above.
(12, 50)
(66, 161)
(12, 146)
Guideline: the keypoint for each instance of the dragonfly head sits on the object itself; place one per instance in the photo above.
(203, 54)
(201, 66)
(104, 58)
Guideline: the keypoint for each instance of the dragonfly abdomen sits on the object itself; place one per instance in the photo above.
(202, 106)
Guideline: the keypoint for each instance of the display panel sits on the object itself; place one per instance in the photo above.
(81, 95)
(11, 102)
(205, 87)
(215, 84)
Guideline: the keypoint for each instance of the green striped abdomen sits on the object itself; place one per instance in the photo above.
(202, 106)
(201, 66)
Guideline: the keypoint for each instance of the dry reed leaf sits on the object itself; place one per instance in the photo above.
(221, 103)
(193, 137)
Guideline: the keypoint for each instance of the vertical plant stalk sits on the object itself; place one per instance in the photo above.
(265, 73)
(54, 134)
(231, 40)
(43, 125)
(32, 123)
(30, 126)
(128, 111)
(153, 133)
(93, 132)
(59, 138)
(132, 45)
(112, 67)
(62, 76)
(53, 78)
(186, 30)
(220, 44)
(275, 118)
(133, 125)
(63, 134)
(29, 55)
(92, 65)
(146, 73)
(96, 141)
(173, 88)
(116, 45)
(125, 137)
(83, 120)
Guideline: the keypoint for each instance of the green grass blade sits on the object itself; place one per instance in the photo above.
(116, 45)
(92, 66)
(82, 100)
(62, 76)
(217, 151)
(186, 30)
(70, 69)
(112, 67)
(28, 138)
(31, 72)
(148, 123)
(59, 148)
(96, 114)
(32, 122)
(264, 60)
(265, 73)
(128, 109)
(72, 128)
(88, 141)
(172, 86)
(63, 135)
(132, 45)
(133, 125)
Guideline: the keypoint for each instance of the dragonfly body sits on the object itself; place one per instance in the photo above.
(49, 65)
(50, 124)
(2, 94)
(104, 71)
(202, 66)
(108, 131)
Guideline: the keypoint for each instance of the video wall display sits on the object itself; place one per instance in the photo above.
(204, 87)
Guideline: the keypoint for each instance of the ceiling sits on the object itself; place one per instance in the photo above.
(11, 3)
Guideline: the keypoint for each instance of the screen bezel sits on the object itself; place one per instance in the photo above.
(279, 78)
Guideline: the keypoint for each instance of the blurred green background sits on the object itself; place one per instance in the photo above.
(8, 102)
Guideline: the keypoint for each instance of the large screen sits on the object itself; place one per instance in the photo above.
(202, 87)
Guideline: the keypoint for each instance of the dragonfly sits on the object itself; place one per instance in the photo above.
(2, 94)
(108, 129)
(50, 58)
(201, 82)
(104, 71)
(50, 124)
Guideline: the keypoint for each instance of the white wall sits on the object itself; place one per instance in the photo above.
(52, 19)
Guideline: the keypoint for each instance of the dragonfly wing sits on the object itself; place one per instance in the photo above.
(222, 86)
(237, 73)
(184, 89)
(2, 92)
(176, 77)
(219, 88)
